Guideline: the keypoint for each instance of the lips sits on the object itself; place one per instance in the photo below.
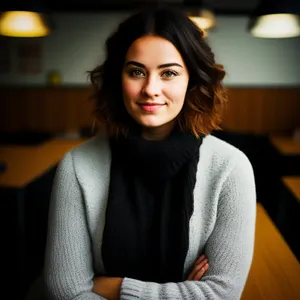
(151, 107)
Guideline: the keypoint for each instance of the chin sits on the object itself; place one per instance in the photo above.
(150, 123)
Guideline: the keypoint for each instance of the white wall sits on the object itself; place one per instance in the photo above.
(77, 45)
(253, 61)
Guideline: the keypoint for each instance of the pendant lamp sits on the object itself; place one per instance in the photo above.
(200, 14)
(276, 19)
(26, 20)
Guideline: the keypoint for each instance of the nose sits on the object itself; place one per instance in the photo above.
(152, 87)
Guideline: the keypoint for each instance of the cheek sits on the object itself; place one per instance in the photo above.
(130, 89)
(177, 93)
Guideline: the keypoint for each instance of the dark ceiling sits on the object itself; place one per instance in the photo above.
(219, 6)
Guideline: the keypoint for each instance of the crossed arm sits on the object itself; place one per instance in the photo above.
(110, 287)
(68, 262)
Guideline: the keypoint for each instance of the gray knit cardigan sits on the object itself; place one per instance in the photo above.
(222, 226)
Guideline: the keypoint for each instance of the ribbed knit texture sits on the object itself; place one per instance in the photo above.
(222, 226)
(150, 202)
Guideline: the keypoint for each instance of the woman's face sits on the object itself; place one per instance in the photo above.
(154, 82)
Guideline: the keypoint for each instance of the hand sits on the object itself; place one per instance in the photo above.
(108, 287)
(200, 267)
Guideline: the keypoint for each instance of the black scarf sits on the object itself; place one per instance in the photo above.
(150, 202)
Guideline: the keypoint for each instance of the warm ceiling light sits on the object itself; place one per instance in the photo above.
(23, 24)
(276, 19)
(276, 26)
(204, 18)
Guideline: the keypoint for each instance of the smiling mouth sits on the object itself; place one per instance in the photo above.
(151, 107)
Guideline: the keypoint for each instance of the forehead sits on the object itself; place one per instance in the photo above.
(153, 51)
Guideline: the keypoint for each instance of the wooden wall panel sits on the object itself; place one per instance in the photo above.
(244, 110)
(249, 110)
(45, 109)
(262, 110)
(12, 116)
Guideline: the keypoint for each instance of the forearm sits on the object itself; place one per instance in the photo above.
(108, 287)
(187, 290)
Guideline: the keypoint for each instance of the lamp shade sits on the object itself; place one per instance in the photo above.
(26, 20)
(276, 19)
(202, 15)
(203, 18)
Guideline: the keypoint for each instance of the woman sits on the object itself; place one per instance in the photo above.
(155, 208)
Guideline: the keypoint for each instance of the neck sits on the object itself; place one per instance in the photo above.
(157, 133)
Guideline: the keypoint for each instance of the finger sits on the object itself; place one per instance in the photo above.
(202, 263)
(196, 268)
(201, 272)
(201, 258)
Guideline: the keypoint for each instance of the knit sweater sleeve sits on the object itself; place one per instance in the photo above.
(68, 271)
(229, 248)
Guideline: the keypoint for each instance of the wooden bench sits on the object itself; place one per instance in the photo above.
(275, 271)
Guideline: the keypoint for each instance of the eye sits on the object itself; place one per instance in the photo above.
(169, 74)
(136, 73)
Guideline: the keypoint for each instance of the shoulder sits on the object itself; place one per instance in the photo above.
(90, 157)
(228, 173)
(91, 150)
(221, 154)
(91, 147)
(225, 167)
(232, 169)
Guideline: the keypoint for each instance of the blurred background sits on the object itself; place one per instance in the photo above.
(45, 108)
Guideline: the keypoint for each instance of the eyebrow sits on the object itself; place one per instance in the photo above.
(135, 63)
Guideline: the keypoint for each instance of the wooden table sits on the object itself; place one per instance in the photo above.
(293, 184)
(288, 217)
(285, 161)
(285, 145)
(275, 271)
(25, 163)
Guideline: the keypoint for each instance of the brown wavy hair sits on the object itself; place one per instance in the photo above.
(205, 98)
